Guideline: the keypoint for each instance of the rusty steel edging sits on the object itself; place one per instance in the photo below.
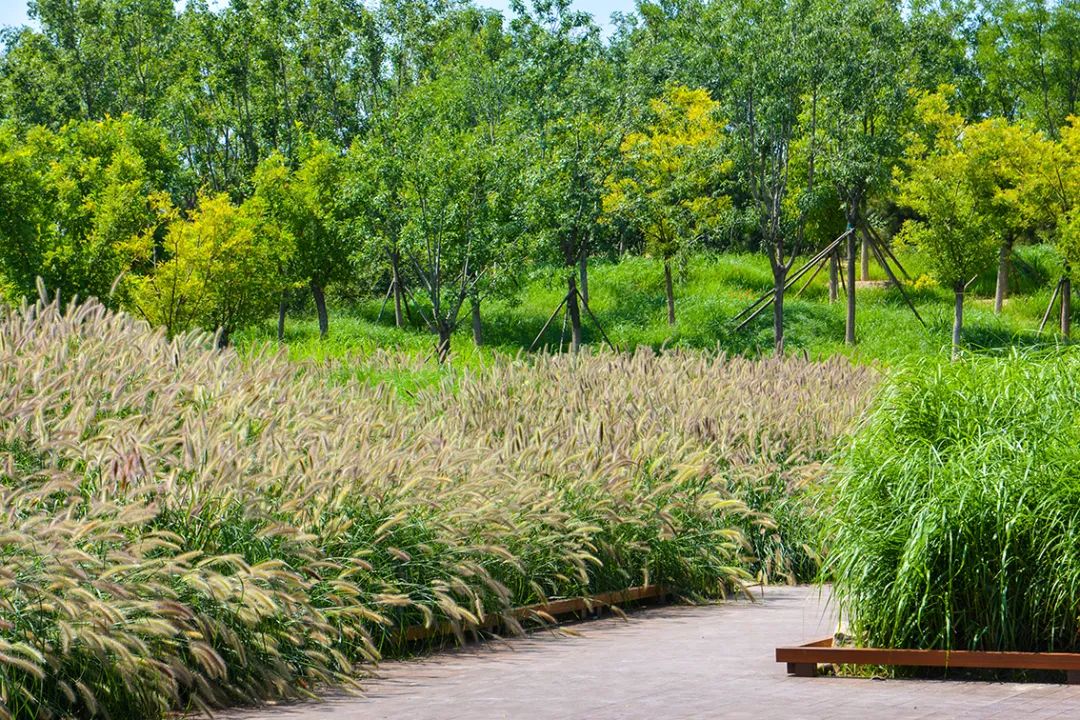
(802, 660)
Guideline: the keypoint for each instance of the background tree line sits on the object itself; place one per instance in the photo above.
(204, 167)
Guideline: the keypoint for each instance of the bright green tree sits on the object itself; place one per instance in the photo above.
(219, 268)
(1007, 166)
(566, 93)
(77, 204)
(306, 203)
(667, 184)
(953, 193)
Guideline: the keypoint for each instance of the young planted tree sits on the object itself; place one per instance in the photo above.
(220, 268)
(449, 194)
(371, 195)
(1006, 164)
(476, 68)
(1058, 191)
(563, 110)
(306, 203)
(767, 100)
(1007, 157)
(863, 97)
(667, 182)
(955, 227)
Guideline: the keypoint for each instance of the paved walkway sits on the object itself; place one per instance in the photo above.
(672, 662)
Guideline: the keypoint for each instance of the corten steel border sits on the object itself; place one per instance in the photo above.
(544, 612)
(802, 660)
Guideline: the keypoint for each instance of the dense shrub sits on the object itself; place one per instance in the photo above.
(957, 509)
(184, 527)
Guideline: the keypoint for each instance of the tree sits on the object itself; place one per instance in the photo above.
(372, 194)
(668, 179)
(91, 59)
(306, 203)
(563, 111)
(1058, 191)
(1028, 51)
(767, 100)
(219, 270)
(863, 98)
(78, 204)
(434, 186)
(450, 196)
(955, 227)
(1006, 161)
(1006, 157)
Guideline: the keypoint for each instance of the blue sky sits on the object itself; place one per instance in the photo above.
(13, 12)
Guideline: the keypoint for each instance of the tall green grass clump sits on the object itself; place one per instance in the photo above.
(956, 512)
(183, 528)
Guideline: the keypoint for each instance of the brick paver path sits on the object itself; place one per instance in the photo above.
(672, 662)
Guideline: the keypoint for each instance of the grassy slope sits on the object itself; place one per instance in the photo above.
(628, 299)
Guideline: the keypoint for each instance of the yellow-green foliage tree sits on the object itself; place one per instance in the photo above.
(1059, 193)
(1062, 175)
(1004, 166)
(220, 271)
(667, 182)
(969, 197)
(75, 205)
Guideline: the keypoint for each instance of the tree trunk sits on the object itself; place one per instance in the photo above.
(574, 312)
(1002, 289)
(670, 290)
(320, 307)
(283, 306)
(849, 327)
(1066, 307)
(395, 262)
(477, 327)
(583, 270)
(864, 271)
(222, 339)
(958, 320)
(834, 277)
(779, 280)
(442, 350)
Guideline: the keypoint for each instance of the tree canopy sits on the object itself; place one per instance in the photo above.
(437, 152)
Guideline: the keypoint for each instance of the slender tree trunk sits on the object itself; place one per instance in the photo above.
(320, 307)
(222, 339)
(864, 271)
(958, 320)
(834, 277)
(442, 350)
(849, 327)
(395, 263)
(1002, 289)
(670, 290)
(1066, 307)
(574, 312)
(779, 280)
(283, 306)
(583, 270)
(477, 327)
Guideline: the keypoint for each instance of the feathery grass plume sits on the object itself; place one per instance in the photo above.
(185, 528)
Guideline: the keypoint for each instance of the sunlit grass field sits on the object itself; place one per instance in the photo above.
(628, 300)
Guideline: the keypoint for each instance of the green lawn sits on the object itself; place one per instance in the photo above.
(628, 299)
